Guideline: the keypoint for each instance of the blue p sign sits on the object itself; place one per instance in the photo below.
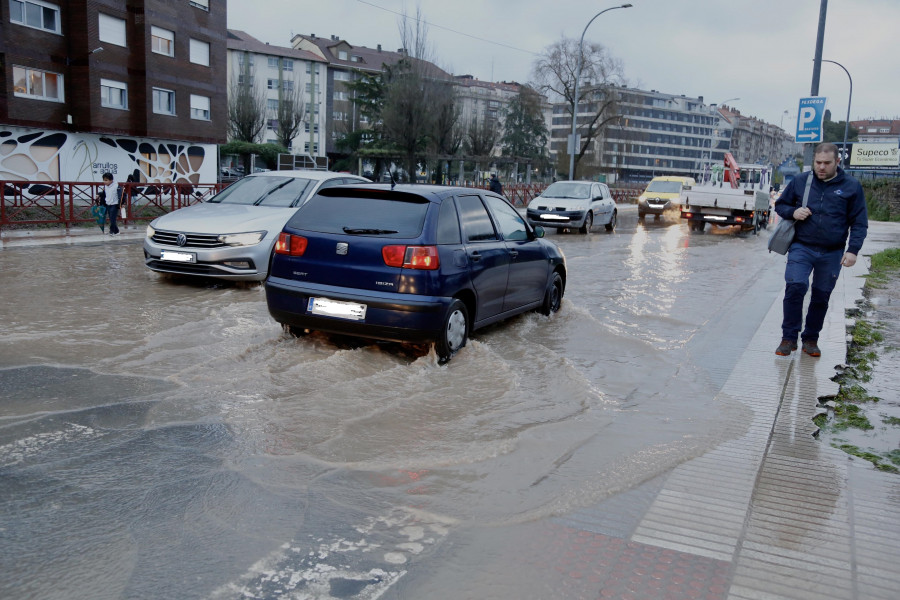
(809, 119)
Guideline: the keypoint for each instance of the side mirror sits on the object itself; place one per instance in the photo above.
(538, 231)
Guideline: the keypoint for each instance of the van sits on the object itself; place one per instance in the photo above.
(662, 194)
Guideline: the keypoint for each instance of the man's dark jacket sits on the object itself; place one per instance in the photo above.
(837, 205)
(496, 186)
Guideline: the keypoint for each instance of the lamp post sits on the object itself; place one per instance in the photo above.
(850, 99)
(575, 92)
(716, 128)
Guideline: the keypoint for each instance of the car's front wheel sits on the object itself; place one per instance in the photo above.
(454, 332)
(553, 296)
(588, 222)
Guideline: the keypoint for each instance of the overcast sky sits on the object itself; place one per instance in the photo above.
(760, 51)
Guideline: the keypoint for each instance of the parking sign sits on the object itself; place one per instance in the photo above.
(810, 116)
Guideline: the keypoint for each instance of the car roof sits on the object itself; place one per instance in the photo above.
(424, 190)
(581, 181)
(672, 178)
(316, 175)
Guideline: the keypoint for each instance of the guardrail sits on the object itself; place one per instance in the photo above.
(68, 203)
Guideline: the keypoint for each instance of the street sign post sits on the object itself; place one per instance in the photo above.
(810, 116)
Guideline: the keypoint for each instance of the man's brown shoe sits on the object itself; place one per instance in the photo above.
(811, 348)
(786, 347)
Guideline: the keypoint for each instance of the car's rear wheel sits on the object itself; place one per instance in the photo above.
(553, 296)
(612, 221)
(588, 223)
(454, 332)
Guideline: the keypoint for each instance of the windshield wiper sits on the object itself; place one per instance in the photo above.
(364, 231)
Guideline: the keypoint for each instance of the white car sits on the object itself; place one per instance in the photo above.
(573, 205)
(231, 235)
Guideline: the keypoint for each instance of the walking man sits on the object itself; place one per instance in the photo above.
(835, 207)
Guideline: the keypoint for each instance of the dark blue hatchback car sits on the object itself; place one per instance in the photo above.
(415, 263)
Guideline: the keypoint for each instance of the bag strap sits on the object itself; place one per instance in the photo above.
(808, 185)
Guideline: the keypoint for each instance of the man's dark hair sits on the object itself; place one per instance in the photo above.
(826, 147)
(108, 176)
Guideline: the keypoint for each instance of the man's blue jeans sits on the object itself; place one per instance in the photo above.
(825, 266)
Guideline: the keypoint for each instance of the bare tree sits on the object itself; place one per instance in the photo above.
(291, 113)
(481, 136)
(554, 73)
(246, 107)
(412, 90)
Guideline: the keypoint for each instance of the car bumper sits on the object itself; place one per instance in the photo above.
(239, 263)
(558, 219)
(389, 316)
(656, 207)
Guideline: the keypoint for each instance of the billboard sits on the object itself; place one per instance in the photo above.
(874, 155)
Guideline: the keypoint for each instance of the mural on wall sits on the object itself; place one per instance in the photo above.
(29, 155)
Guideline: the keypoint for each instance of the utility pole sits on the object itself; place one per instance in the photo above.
(817, 69)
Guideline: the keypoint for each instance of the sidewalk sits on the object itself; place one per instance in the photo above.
(59, 236)
(772, 514)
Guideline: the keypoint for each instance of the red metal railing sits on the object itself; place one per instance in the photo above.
(68, 203)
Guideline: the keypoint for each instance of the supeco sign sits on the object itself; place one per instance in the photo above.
(874, 155)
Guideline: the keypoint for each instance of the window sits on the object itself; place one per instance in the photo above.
(272, 124)
(162, 41)
(241, 59)
(287, 85)
(33, 13)
(315, 148)
(112, 30)
(272, 84)
(287, 64)
(199, 107)
(272, 104)
(341, 76)
(340, 95)
(475, 220)
(306, 127)
(309, 88)
(511, 224)
(355, 58)
(199, 52)
(309, 68)
(163, 101)
(40, 85)
(342, 55)
(273, 62)
(337, 116)
(113, 94)
(204, 4)
(248, 81)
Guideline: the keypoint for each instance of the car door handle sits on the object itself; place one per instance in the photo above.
(476, 256)
(514, 253)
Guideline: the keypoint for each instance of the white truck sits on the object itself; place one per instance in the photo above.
(731, 196)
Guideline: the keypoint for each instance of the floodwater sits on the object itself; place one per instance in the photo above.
(163, 437)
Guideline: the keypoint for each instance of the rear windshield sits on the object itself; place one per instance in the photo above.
(265, 191)
(384, 217)
(665, 187)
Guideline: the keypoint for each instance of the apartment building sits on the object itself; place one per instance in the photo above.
(283, 75)
(657, 133)
(134, 88)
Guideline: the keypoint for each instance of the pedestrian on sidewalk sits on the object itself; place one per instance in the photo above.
(495, 185)
(836, 206)
(113, 194)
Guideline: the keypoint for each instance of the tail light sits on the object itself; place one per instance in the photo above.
(291, 245)
(411, 257)
(687, 215)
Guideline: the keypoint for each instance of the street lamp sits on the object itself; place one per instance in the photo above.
(575, 93)
(716, 129)
(850, 99)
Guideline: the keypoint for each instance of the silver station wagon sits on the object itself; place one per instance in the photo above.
(231, 236)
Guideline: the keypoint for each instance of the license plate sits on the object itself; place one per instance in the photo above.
(549, 217)
(336, 308)
(179, 256)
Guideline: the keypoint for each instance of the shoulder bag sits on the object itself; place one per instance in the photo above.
(783, 236)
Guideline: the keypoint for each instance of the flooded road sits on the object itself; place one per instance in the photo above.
(165, 438)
